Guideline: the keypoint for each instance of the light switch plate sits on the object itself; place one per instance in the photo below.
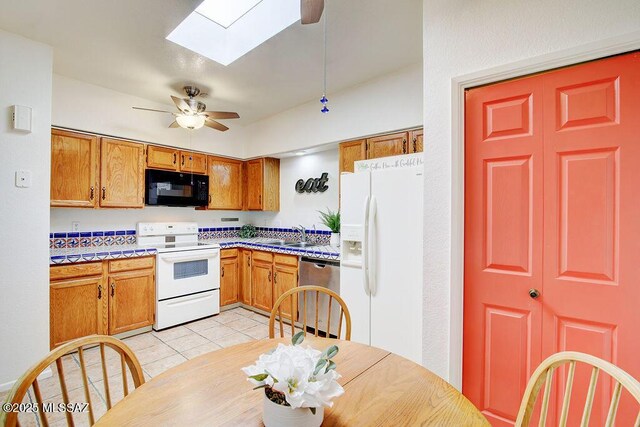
(23, 179)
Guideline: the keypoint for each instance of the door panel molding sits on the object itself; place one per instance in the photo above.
(562, 58)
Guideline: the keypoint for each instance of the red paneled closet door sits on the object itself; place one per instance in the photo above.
(552, 206)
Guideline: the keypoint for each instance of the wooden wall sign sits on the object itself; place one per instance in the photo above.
(313, 185)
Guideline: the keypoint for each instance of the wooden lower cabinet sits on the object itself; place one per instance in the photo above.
(271, 276)
(261, 282)
(77, 309)
(131, 300)
(108, 297)
(285, 277)
(244, 289)
(229, 276)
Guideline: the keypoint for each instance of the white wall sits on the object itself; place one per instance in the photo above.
(296, 208)
(461, 37)
(83, 106)
(387, 103)
(25, 79)
(126, 219)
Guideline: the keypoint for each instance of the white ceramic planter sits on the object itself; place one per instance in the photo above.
(335, 239)
(275, 415)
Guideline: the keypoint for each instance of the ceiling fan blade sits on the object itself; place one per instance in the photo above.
(311, 11)
(151, 109)
(221, 115)
(215, 125)
(181, 104)
(174, 125)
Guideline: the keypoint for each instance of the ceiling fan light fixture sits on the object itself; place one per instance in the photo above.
(188, 121)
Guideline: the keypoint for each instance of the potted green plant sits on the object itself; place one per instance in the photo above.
(332, 220)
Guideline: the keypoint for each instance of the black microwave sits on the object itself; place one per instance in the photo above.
(164, 188)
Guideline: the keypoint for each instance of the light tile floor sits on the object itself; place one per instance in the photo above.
(157, 352)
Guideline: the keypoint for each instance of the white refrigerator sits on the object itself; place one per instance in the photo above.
(381, 257)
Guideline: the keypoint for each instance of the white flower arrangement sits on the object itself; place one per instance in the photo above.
(296, 376)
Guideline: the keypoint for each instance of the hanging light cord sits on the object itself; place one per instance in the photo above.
(324, 99)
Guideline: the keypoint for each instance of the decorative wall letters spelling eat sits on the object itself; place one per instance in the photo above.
(313, 185)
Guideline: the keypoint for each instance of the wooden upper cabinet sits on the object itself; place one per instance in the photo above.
(388, 145)
(350, 152)
(225, 183)
(121, 174)
(193, 162)
(74, 166)
(162, 158)
(263, 184)
(416, 140)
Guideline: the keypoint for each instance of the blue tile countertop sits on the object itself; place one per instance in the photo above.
(318, 252)
(99, 253)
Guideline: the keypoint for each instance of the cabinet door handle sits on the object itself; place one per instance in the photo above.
(209, 198)
(104, 193)
(113, 289)
(248, 261)
(275, 277)
(99, 291)
(269, 276)
(415, 146)
(91, 193)
(222, 272)
(175, 158)
(183, 160)
(260, 200)
(404, 146)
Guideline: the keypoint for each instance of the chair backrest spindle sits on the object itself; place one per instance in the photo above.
(293, 317)
(544, 375)
(29, 378)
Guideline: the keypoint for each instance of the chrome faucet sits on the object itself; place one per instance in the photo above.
(302, 231)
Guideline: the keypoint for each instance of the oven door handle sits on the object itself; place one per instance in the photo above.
(171, 259)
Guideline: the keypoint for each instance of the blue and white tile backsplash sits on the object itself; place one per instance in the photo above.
(85, 239)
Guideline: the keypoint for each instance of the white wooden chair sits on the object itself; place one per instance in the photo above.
(292, 296)
(544, 375)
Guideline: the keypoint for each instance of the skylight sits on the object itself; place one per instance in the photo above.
(224, 30)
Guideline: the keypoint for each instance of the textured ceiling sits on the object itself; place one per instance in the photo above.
(120, 44)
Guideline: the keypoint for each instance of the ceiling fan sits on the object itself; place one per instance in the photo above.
(192, 114)
(311, 11)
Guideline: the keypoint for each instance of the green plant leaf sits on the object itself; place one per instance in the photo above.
(260, 386)
(259, 377)
(313, 410)
(331, 366)
(319, 366)
(331, 220)
(297, 338)
(330, 352)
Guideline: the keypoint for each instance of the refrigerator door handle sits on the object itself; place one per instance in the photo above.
(365, 248)
(371, 246)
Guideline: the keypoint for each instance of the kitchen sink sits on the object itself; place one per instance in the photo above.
(300, 244)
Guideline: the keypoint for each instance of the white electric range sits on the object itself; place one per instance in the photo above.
(187, 272)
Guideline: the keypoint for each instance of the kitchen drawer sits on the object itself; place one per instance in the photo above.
(70, 271)
(228, 253)
(262, 256)
(131, 264)
(291, 260)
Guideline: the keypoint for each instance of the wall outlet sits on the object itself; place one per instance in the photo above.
(23, 179)
(75, 226)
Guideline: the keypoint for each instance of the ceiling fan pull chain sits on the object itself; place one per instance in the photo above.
(324, 101)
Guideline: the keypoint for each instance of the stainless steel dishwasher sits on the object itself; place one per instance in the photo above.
(315, 272)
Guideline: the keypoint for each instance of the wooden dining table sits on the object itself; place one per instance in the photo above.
(380, 388)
